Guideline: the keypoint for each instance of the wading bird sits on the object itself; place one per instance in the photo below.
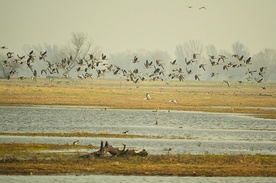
(76, 142)
(126, 132)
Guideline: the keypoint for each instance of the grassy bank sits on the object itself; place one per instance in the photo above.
(26, 159)
(43, 159)
(192, 96)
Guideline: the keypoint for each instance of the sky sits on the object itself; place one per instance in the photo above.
(120, 25)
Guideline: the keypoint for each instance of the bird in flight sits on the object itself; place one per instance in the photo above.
(202, 7)
(228, 84)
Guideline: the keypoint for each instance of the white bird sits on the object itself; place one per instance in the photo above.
(173, 101)
(147, 97)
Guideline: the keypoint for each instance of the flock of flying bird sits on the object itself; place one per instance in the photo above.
(152, 70)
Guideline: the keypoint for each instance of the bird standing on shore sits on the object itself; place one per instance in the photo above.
(76, 142)
(126, 132)
(147, 97)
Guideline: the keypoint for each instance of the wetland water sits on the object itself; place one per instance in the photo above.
(184, 132)
(134, 179)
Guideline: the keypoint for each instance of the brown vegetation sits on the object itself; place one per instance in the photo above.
(246, 98)
(29, 159)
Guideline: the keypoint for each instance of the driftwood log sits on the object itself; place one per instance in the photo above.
(115, 151)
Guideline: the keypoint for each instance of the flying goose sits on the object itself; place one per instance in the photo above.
(213, 57)
(20, 58)
(159, 63)
(10, 54)
(250, 72)
(44, 70)
(189, 71)
(173, 62)
(103, 57)
(222, 57)
(228, 84)
(213, 74)
(202, 66)
(43, 55)
(188, 62)
(259, 80)
(195, 56)
(135, 59)
(247, 61)
(181, 77)
(197, 77)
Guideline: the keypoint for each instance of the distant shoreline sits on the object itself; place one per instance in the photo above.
(120, 94)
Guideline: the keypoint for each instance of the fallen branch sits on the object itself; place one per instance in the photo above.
(115, 151)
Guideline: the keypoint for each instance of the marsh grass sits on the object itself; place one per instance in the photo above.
(117, 93)
(27, 159)
(108, 93)
(79, 134)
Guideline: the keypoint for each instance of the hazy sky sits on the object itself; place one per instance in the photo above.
(118, 25)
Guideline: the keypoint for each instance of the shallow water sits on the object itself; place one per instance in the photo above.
(134, 179)
(184, 132)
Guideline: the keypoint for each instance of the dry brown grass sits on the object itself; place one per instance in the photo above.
(25, 159)
(190, 95)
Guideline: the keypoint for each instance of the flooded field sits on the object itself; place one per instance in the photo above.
(134, 179)
(184, 132)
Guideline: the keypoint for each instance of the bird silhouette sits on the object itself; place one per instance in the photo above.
(197, 77)
(173, 62)
(228, 84)
(259, 80)
(202, 66)
(135, 59)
